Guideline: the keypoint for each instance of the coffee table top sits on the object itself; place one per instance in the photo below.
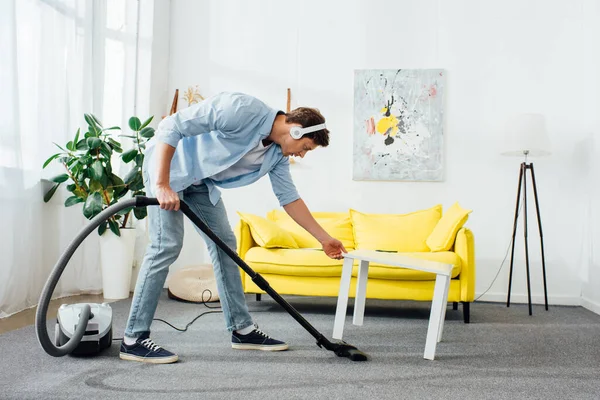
(400, 260)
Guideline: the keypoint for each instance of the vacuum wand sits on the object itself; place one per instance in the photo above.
(341, 348)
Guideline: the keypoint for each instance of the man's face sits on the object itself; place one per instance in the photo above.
(297, 148)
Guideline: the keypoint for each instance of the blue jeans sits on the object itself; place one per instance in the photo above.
(166, 241)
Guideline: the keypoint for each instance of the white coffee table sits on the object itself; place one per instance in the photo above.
(440, 292)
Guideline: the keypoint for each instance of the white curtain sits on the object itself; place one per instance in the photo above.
(59, 59)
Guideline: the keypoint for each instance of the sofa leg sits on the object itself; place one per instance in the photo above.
(257, 296)
(466, 312)
(455, 306)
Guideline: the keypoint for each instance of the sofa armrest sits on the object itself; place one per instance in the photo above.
(464, 247)
(244, 243)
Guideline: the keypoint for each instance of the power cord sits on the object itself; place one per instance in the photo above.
(502, 264)
(198, 316)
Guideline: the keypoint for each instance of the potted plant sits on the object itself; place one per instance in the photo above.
(91, 180)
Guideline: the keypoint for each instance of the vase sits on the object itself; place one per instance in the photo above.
(116, 260)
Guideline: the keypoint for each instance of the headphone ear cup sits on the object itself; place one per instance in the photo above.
(296, 132)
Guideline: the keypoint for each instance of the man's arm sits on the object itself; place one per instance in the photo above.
(167, 198)
(301, 214)
(290, 200)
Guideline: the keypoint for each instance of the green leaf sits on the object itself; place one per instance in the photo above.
(50, 193)
(90, 120)
(70, 146)
(93, 205)
(140, 212)
(60, 147)
(137, 183)
(49, 160)
(93, 143)
(96, 120)
(102, 228)
(97, 170)
(95, 186)
(76, 136)
(135, 124)
(113, 142)
(129, 155)
(106, 150)
(112, 128)
(71, 187)
(71, 201)
(81, 145)
(146, 122)
(105, 182)
(139, 160)
(147, 132)
(128, 136)
(85, 160)
(114, 227)
(60, 178)
(131, 175)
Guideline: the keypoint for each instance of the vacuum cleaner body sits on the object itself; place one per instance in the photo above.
(98, 333)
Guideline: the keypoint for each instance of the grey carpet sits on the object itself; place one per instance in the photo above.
(503, 354)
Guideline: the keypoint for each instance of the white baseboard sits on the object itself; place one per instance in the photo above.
(590, 305)
(516, 298)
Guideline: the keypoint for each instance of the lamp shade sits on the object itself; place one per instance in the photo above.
(526, 134)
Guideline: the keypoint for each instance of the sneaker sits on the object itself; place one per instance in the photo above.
(145, 350)
(256, 340)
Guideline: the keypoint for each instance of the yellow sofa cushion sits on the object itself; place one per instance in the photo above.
(315, 263)
(267, 234)
(395, 232)
(443, 235)
(295, 262)
(338, 225)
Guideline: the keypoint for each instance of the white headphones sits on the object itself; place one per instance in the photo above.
(297, 132)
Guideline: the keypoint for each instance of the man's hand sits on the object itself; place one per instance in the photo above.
(168, 199)
(333, 248)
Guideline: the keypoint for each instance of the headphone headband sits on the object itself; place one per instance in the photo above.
(297, 132)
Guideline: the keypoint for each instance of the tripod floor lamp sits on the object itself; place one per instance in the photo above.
(527, 137)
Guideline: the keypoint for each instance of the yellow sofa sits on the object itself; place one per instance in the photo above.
(292, 261)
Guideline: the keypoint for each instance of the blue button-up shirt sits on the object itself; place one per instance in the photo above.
(214, 134)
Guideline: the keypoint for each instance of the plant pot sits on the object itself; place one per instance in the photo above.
(116, 260)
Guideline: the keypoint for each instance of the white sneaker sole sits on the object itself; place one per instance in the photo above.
(246, 346)
(150, 360)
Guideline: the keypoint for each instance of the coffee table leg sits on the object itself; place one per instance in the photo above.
(361, 292)
(438, 305)
(342, 303)
(444, 307)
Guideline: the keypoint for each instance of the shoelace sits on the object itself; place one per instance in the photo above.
(149, 344)
(261, 332)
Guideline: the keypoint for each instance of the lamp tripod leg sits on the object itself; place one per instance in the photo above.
(526, 241)
(537, 208)
(521, 173)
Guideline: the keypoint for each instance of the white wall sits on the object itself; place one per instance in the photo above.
(501, 58)
(590, 152)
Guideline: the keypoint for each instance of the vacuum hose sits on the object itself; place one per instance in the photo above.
(341, 349)
(42, 310)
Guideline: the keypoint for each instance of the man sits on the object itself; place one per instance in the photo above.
(229, 140)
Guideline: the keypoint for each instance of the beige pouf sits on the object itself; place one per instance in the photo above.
(189, 284)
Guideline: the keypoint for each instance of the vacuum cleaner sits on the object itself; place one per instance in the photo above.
(87, 328)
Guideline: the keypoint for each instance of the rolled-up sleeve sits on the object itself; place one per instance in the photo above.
(282, 183)
(218, 113)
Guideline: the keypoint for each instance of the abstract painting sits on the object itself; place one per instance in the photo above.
(398, 124)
